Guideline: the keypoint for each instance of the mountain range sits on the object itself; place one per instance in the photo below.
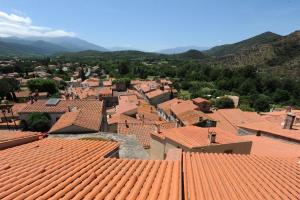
(177, 50)
(44, 45)
(265, 50)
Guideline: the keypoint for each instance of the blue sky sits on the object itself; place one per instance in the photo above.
(157, 24)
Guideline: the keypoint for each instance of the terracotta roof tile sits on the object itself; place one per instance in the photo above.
(120, 118)
(223, 176)
(166, 106)
(10, 139)
(155, 93)
(183, 107)
(200, 100)
(229, 119)
(107, 83)
(141, 130)
(92, 82)
(105, 91)
(274, 129)
(267, 146)
(62, 106)
(84, 120)
(194, 137)
(192, 117)
(69, 169)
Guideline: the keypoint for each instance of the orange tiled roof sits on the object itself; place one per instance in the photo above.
(106, 91)
(11, 139)
(155, 93)
(62, 106)
(192, 117)
(166, 106)
(229, 119)
(141, 130)
(84, 120)
(200, 100)
(267, 146)
(107, 83)
(120, 118)
(183, 107)
(194, 137)
(147, 112)
(223, 176)
(274, 129)
(92, 82)
(23, 94)
(74, 169)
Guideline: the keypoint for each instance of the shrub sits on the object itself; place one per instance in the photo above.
(224, 102)
(39, 122)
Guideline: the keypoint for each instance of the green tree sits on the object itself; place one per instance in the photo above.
(82, 74)
(224, 102)
(262, 103)
(183, 94)
(39, 122)
(42, 85)
(281, 96)
(8, 85)
(123, 68)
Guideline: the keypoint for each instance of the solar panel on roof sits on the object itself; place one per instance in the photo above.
(52, 102)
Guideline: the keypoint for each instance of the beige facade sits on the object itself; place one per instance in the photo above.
(160, 147)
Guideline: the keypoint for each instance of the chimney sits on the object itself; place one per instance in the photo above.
(288, 109)
(212, 137)
(177, 123)
(289, 121)
(157, 128)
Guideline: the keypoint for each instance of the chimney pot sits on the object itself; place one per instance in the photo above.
(157, 127)
(212, 137)
(289, 121)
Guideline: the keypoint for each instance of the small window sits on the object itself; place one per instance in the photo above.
(229, 151)
(258, 133)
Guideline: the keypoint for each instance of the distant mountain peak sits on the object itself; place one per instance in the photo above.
(182, 49)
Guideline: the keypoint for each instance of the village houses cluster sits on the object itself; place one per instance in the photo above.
(194, 151)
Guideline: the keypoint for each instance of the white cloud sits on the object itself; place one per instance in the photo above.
(21, 26)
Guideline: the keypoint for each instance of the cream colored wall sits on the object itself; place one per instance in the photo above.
(157, 148)
(238, 148)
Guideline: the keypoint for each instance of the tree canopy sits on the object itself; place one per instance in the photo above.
(42, 85)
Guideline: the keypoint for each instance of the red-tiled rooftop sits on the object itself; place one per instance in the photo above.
(223, 176)
(141, 130)
(74, 169)
(267, 146)
(200, 100)
(274, 129)
(195, 137)
(229, 119)
(166, 106)
(62, 106)
(183, 107)
(86, 120)
(192, 117)
(155, 93)
(10, 138)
